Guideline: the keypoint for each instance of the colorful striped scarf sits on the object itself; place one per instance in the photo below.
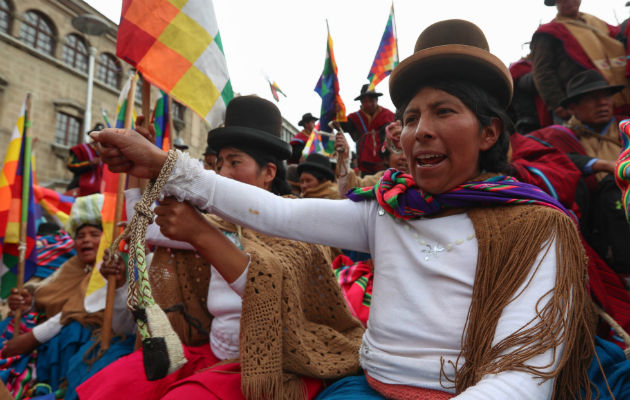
(401, 198)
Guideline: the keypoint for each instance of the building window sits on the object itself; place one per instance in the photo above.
(67, 130)
(38, 32)
(75, 53)
(108, 70)
(179, 111)
(5, 16)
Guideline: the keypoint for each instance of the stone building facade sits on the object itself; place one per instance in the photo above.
(43, 54)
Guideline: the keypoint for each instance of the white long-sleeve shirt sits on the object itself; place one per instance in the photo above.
(224, 299)
(122, 322)
(423, 278)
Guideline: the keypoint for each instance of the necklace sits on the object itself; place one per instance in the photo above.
(431, 248)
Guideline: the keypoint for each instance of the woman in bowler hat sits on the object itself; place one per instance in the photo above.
(479, 284)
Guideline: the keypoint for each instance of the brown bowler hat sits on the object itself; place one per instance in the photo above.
(251, 121)
(451, 49)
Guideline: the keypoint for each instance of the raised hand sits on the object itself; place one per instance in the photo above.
(20, 300)
(113, 265)
(128, 151)
(148, 133)
(179, 221)
(341, 145)
(392, 133)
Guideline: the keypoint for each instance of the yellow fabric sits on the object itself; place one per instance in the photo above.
(605, 147)
(607, 54)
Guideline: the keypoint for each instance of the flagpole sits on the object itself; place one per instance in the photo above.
(26, 186)
(395, 32)
(171, 126)
(122, 179)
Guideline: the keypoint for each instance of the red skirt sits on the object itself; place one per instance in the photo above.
(198, 378)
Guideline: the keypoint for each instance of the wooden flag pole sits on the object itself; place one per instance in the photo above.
(171, 126)
(26, 186)
(122, 178)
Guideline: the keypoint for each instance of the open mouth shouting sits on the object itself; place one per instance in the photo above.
(427, 160)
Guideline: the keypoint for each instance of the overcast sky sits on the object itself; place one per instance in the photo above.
(286, 39)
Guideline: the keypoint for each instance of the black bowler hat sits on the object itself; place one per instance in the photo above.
(308, 117)
(365, 92)
(209, 151)
(251, 121)
(587, 82)
(317, 162)
(550, 3)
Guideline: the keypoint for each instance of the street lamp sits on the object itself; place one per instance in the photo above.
(93, 25)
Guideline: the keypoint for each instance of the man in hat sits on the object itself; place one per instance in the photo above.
(573, 42)
(591, 140)
(86, 166)
(591, 135)
(179, 144)
(299, 141)
(316, 177)
(367, 129)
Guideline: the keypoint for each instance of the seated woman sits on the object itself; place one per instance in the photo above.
(61, 298)
(280, 324)
(316, 177)
(479, 280)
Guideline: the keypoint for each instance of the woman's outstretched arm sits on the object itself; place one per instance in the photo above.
(337, 223)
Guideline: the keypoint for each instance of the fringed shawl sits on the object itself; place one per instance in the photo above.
(64, 291)
(510, 239)
(294, 320)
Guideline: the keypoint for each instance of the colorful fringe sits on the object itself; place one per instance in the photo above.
(622, 170)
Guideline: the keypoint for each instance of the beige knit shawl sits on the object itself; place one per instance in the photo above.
(294, 319)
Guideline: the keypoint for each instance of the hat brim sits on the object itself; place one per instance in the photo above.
(302, 122)
(245, 137)
(452, 61)
(306, 166)
(375, 94)
(592, 87)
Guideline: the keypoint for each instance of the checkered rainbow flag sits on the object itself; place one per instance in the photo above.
(386, 57)
(176, 46)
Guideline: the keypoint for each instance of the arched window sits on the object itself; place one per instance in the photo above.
(5, 16)
(75, 53)
(108, 70)
(38, 32)
(67, 130)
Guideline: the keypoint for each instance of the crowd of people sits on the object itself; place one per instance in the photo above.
(475, 247)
